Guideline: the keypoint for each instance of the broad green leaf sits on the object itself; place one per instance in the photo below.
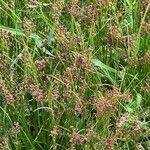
(108, 71)
(35, 37)
(135, 104)
(138, 100)
(12, 31)
(102, 65)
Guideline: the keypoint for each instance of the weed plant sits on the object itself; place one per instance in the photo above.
(74, 74)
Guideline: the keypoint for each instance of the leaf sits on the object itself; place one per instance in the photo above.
(134, 105)
(38, 41)
(139, 100)
(108, 71)
(102, 65)
(39, 44)
(50, 39)
(35, 37)
(12, 31)
(128, 2)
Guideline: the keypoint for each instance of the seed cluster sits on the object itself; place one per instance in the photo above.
(8, 95)
(38, 93)
(74, 74)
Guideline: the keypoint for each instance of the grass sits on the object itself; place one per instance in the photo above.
(74, 75)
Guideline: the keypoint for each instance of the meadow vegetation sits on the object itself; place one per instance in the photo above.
(74, 74)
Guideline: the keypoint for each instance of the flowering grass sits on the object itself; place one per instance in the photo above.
(74, 74)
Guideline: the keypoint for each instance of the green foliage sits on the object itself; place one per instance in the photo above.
(74, 74)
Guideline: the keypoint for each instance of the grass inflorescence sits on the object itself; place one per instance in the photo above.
(74, 74)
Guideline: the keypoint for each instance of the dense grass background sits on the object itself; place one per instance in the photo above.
(74, 74)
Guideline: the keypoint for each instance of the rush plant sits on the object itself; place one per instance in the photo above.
(74, 74)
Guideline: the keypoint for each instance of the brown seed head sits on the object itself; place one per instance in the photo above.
(90, 133)
(122, 119)
(38, 93)
(33, 4)
(40, 64)
(110, 143)
(74, 10)
(15, 129)
(28, 26)
(78, 107)
(54, 132)
(76, 137)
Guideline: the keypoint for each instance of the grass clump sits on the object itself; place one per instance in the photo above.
(74, 74)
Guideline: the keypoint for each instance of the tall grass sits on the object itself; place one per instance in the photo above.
(74, 74)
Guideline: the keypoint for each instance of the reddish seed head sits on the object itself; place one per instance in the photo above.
(33, 4)
(1, 66)
(110, 143)
(126, 97)
(90, 133)
(38, 93)
(75, 1)
(77, 138)
(4, 34)
(74, 10)
(120, 121)
(147, 88)
(54, 132)
(16, 128)
(29, 26)
(78, 107)
(9, 99)
(40, 64)
(4, 142)
(115, 92)
(145, 2)
(89, 9)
